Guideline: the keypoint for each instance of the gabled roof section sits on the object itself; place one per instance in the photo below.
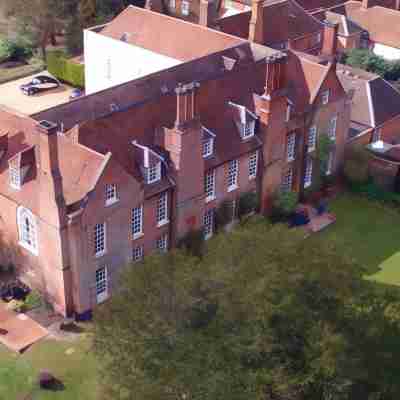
(374, 100)
(382, 24)
(304, 78)
(346, 27)
(166, 35)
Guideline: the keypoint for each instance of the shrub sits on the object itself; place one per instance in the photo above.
(286, 202)
(33, 300)
(15, 50)
(193, 242)
(248, 202)
(356, 165)
(224, 214)
(66, 70)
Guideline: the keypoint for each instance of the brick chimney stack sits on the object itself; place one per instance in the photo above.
(256, 32)
(52, 203)
(330, 40)
(274, 73)
(208, 13)
(186, 103)
(184, 144)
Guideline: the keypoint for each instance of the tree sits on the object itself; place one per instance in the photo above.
(264, 315)
(38, 18)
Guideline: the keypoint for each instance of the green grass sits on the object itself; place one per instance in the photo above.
(77, 371)
(11, 74)
(369, 232)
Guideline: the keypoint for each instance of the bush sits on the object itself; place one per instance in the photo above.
(33, 300)
(376, 193)
(367, 60)
(356, 165)
(193, 242)
(66, 70)
(224, 214)
(286, 202)
(248, 202)
(15, 51)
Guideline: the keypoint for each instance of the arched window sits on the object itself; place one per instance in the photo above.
(27, 230)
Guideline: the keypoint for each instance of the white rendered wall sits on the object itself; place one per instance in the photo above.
(110, 62)
(387, 52)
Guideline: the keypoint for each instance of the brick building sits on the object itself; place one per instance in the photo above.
(90, 185)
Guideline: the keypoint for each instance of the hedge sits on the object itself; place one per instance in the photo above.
(66, 70)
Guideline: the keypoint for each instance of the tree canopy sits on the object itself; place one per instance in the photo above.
(263, 315)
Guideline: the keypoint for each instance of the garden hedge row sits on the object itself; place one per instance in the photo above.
(66, 70)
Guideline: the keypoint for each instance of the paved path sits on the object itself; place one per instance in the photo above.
(18, 331)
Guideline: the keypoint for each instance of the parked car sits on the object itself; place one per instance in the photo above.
(40, 83)
(75, 93)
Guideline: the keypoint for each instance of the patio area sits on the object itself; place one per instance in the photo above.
(17, 330)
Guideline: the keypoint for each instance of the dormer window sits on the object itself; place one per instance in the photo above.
(150, 163)
(325, 96)
(248, 129)
(244, 119)
(111, 194)
(185, 7)
(154, 173)
(15, 177)
(208, 145)
(208, 142)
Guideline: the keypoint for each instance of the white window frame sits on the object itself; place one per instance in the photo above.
(208, 147)
(172, 4)
(248, 129)
(288, 112)
(330, 163)
(233, 175)
(162, 209)
(154, 173)
(377, 134)
(185, 7)
(253, 165)
(100, 239)
(325, 96)
(208, 224)
(162, 243)
(308, 173)
(319, 37)
(332, 128)
(15, 177)
(137, 222)
(137, 253)
(111, 194)
(27, 230)
(291, 147)
(312, 138)
(287, 182)
(209, 185)
(101, 279)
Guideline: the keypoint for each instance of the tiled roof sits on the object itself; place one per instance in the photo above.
(78, 165)
(375, 101)
(382, 24)
(346, 26)
(167, 35)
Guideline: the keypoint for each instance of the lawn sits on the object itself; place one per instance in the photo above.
(77, 371)
(369, 232)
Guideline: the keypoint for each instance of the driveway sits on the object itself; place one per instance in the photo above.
(12, 97)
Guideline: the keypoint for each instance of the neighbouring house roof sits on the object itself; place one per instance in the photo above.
(382, 24)
(385, 151)
(78, 165)
(374, 100)
(166, 35)
(305, 76)
(282, 20)
(346, 27)
(314, 5)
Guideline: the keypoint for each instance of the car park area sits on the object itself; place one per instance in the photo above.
(11, 96)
